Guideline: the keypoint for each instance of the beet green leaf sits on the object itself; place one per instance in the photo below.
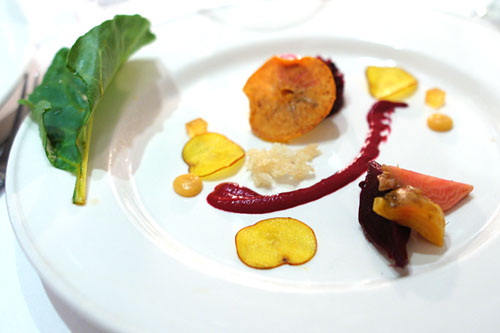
(74, 84)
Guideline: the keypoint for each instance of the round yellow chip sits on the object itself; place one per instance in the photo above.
(276, 241)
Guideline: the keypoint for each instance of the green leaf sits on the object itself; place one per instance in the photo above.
(74, 84)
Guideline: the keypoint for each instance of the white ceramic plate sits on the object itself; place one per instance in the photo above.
(14, 38)
(140, 258)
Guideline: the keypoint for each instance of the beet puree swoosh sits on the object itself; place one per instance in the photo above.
(232, 197)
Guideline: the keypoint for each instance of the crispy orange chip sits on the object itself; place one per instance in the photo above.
(196, 127)
(289, 97)
(210, 152)
(390, 83)
(435, 98)
(276, 241)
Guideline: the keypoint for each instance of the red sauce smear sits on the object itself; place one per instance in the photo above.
(235, 198)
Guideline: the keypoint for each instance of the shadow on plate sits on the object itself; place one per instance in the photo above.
(136, 104)
(44, 306)
(327, 130)
(75, 322)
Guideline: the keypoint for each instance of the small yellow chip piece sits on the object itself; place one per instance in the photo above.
(390, 83)
(435, 98)
(196, 127)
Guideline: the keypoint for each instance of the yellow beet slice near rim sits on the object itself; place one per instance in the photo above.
(210, 152)
(409, 207)
(289, 97)
(274, 242)
(390, 83)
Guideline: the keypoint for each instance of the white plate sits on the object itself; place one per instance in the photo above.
(14, 38)
(138, 257)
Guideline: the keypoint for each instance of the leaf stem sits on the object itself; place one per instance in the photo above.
(80, 192)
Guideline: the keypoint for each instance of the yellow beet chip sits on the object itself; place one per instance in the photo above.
(390, 83)
(435, 98)
(276, 241)
(196, 127)
(210, 152)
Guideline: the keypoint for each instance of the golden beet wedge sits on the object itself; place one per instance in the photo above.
(209, 152)
(409, 207)
(289, 97)
(390, 83)
(273, 242)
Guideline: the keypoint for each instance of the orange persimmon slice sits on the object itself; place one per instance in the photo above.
(276, 241)
(210, 152)
(289, 97)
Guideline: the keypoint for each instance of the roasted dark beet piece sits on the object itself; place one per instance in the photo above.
(338, 77)
(388, 236)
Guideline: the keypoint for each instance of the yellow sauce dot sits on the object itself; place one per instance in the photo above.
(439, 122)
(188, 185)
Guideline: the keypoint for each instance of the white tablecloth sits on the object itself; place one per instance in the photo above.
(25, 304)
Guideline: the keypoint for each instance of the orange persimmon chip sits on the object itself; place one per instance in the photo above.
(289, 97)
(196, 127)
(390, 83)
(435, 98)
(409, 207)
(276, 241)
(210, 152)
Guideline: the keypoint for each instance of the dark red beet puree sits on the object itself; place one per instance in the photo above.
(232, 197)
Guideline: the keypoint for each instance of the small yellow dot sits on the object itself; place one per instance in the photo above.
(439, 122)
(188, 185)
